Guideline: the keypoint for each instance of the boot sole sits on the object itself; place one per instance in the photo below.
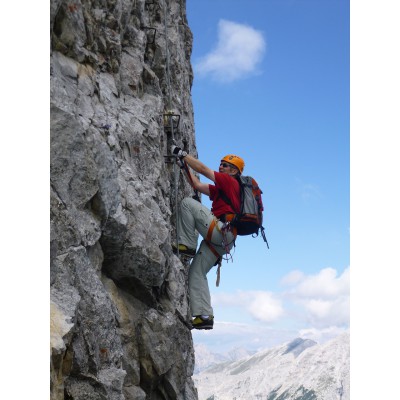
(182, 253)
(206, 328)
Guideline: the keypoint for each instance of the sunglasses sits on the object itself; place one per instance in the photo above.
(225, 165)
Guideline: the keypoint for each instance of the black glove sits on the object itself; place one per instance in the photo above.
(178, 152)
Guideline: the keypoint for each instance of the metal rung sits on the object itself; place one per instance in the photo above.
(153, 35)
(170, 159)
(171, 121)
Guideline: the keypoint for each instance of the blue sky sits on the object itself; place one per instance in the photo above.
(272, 85)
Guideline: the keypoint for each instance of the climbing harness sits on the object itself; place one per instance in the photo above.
(226, 227)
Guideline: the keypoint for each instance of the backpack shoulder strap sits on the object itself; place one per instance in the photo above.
(226, 198)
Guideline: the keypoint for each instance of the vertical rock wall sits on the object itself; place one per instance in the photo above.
(119, 304)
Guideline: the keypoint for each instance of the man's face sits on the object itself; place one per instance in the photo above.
(227, 168)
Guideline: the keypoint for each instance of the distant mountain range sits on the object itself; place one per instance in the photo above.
(205, 358)
(299, 370)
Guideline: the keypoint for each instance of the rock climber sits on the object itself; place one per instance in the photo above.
(194, 219)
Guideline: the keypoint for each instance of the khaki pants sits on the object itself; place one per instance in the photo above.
(195, 219)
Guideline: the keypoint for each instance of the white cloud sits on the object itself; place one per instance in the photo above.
(325, 285)
(324, 313)
(312, 306)
(322, 299)
(227, 335)
(319, 308)
(321, 335)
(319, 300)
(263, 306)
(239, 51)
(292, 278)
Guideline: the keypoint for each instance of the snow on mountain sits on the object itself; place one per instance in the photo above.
(238, 353)
(204, 358)
(299, 370)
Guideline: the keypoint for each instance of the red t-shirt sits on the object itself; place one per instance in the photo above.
(230, 186)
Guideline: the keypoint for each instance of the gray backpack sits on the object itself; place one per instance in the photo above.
(249, 220)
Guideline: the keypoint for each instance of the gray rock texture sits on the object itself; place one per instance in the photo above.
(119, 302)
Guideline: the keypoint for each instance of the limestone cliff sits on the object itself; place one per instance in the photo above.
(119, 303)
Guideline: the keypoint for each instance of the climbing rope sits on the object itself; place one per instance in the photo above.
(183, 165)
(169, 98)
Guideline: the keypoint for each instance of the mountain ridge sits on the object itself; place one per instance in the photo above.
(298, 370)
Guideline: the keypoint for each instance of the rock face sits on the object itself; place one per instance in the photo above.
(119, 302)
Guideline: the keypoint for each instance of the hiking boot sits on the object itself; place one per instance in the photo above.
(183, 250)
(203, 322)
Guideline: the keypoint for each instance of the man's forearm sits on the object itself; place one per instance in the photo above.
(199, 167)
(194, 163)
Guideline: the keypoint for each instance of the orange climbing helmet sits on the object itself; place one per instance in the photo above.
(235, 160)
